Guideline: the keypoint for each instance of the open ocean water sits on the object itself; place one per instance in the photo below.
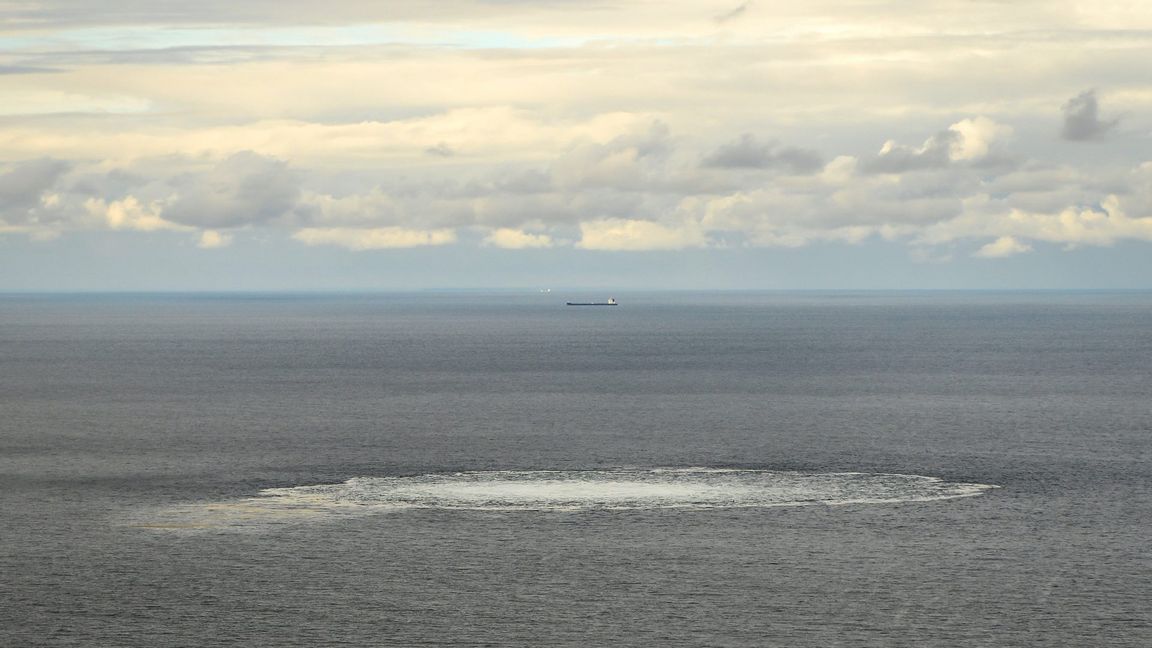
(724, 469)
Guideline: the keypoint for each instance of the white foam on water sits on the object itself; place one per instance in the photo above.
(552, 490)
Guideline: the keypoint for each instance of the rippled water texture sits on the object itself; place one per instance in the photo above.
(545, 490)
(304, 471)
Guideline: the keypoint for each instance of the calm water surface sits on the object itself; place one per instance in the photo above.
(137, 434)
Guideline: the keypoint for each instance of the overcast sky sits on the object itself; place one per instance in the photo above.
(361, 144)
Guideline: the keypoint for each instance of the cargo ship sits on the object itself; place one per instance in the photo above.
(611, 302)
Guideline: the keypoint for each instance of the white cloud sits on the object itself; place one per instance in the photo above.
(967, 140)
(472, 133)
(32, 101)
(631, 235)
(514, 239)
(130, 214)
(1072, 227)
(977, 136)
(211, 239)
(379, 238)
(1005, 246)
(1079, 226)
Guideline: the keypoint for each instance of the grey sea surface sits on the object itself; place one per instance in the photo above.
(468, 469)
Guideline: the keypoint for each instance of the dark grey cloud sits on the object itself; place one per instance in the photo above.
(440, 150)
(517, 182)
(747, 153)
(244, 189)
(733, 14)
(1082, 118)
(112, 185)
(26, 69)
(896, 158)
(22, 186)
(531, 181)
(997, 162)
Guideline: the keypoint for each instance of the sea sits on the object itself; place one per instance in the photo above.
(784, 469)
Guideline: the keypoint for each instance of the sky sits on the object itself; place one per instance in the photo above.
(406, 144)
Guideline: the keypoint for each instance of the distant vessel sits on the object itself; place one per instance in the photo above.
(611, 302)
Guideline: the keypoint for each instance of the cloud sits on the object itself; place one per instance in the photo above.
(23, 186)
(633, 235)
(440, 150)
(514, 239)
(968, 141)
(734, 13)
(896, 158)
(1072, 227)
(1075, 226)
(640, 188)
(41, 13)
(33, 199)
(1005, 246)
(977, 136)
(627, 162)
(131, 214)
(566, 16)
(502, 133)
(379, 238)
(1082, 120)
(244, 189)
(25, 69)
(211, 239)
(559, 123)
(374, 207)
(747, 153)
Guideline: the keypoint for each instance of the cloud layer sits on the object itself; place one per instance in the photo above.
(616, 127)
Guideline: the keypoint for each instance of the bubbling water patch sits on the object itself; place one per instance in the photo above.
(562, 490)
